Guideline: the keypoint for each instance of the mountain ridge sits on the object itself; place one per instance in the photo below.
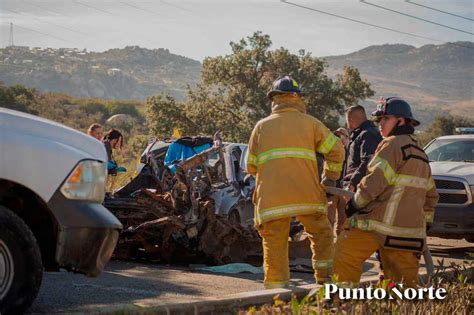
(429, 77)
(434, 79)
(120, 73)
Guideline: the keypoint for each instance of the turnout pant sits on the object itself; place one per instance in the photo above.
(275, 248)
(337, 213)
(354, 247)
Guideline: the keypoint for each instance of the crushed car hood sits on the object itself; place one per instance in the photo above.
(457, 169)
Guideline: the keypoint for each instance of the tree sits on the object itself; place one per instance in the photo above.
(163, 114)
(17, 97)
(443, 126)
(232, 93)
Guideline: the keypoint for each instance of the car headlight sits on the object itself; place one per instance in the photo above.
(86, 182)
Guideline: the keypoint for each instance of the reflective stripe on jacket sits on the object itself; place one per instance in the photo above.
(282, 156)
(398, 195)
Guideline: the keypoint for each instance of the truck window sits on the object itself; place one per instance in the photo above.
(460, 150)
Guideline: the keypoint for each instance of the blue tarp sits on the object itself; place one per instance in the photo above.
(177, 151)
(233, 268)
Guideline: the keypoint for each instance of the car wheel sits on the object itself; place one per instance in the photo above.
(21, 269)
(234, 217)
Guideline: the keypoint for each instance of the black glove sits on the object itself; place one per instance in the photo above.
(351, 209)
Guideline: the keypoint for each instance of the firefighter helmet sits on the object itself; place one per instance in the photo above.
(284, 85)
(394, 106)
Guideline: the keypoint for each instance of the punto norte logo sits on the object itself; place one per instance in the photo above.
(394, 291)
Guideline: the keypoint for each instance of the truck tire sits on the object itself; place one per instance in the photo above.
(21, 269)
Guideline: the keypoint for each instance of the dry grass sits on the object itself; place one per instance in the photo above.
(115, 182)
(458, 283)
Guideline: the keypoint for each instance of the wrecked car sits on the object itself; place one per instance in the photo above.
(226, 173)
(192, 207)
(179, 210)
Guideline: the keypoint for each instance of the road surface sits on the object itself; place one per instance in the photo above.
(141, 284)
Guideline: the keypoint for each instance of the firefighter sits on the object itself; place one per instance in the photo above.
(392, 203)
(282, 156)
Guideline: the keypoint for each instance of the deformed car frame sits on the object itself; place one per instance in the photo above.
(231, 195)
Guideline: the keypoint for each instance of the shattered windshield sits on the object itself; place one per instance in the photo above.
(451, 150)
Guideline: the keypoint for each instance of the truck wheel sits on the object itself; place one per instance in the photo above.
(234, 217)
(21, 269)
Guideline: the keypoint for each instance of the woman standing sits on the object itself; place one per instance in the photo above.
(113, 140)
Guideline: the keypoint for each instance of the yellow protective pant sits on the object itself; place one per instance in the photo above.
(337, 213)
(275, 248)
(354, 247)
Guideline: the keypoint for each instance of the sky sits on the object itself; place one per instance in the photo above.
(200, 28)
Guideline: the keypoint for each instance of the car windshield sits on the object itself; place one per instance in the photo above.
(451, 150)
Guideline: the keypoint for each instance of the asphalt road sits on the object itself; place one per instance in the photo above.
(131, 283)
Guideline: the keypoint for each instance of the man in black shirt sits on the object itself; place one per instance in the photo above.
(364, 139)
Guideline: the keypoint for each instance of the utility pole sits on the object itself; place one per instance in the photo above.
(11, 43)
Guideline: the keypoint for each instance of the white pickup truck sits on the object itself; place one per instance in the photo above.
(52, 185)
(452, 166)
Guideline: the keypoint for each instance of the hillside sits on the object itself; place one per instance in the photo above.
(129, 73)
(432, 77)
